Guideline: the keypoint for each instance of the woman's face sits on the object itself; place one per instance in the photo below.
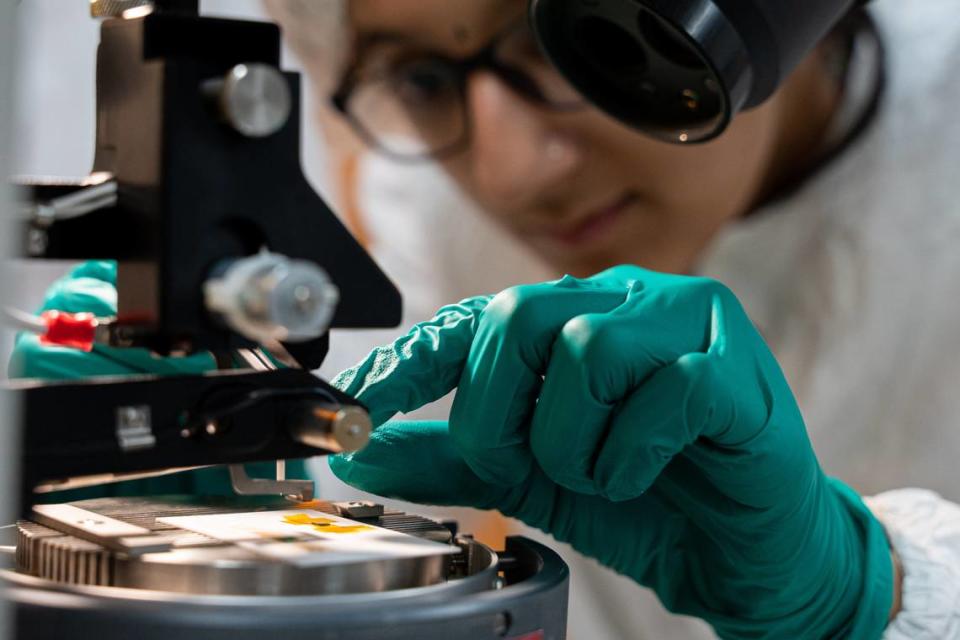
(583, 191)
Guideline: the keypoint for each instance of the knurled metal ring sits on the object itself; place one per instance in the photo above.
(115, 8)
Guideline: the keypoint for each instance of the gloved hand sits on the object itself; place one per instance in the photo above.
(91, 287)
(641, 418)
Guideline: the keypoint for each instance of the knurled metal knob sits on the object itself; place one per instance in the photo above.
(116, 8)
(140, 8)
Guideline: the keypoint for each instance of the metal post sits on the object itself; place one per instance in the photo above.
(9, 424)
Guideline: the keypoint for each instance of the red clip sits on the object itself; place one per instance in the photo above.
(73, 330)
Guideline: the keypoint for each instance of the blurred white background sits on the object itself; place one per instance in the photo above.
(54, 97)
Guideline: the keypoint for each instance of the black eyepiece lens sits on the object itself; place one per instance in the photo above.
(645, 62)
(610, 46)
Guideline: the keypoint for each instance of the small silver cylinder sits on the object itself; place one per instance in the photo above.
(335, 429)
(254, 99)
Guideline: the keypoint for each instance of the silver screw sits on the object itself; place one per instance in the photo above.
(134, 418)
(37, 241)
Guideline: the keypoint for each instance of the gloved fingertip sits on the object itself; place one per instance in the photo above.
(82, 295)
(576, 483)
(105, 270)
(617, 482)
(621, 493)
(414, 461)
(340, 466)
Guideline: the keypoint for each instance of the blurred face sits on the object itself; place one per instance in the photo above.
(581, 190)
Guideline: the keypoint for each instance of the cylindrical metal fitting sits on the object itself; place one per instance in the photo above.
(332, 428)
(254, 99)
(271, 297)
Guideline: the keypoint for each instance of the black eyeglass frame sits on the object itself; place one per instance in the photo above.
(485, 59)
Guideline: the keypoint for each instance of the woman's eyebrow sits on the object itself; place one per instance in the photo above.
(366, 42)
(368, 39)
(380, 37)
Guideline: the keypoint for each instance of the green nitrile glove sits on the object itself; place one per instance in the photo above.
(641, 418)
(91, 287)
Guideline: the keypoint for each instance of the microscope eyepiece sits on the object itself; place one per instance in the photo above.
(680, 70)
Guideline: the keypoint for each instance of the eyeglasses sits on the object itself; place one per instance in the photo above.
(413, 106)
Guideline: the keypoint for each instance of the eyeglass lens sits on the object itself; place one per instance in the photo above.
(415, 104)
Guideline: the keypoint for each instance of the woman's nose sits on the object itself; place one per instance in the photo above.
(519, 152)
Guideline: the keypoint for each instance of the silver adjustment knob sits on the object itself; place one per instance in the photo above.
(271, 297)
(254, 99)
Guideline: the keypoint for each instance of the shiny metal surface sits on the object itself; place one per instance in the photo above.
(352, 428)
(337, 429)
(116, 8)
(201, 566)
(134, 430)
(481, 578)
(100, 530)
(244, 485)
(359, 509)
(255, 100)
(235, 571)
(46, 553)
(65, 484)
(532, 603)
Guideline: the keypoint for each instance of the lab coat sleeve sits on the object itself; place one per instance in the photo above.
(924, 530)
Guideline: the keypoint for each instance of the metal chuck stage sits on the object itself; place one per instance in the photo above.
(226, 568)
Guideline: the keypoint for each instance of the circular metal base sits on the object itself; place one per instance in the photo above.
(531, 602)
(200, 565)
(217, 593)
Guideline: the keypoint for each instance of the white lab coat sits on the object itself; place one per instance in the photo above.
(855, 283)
